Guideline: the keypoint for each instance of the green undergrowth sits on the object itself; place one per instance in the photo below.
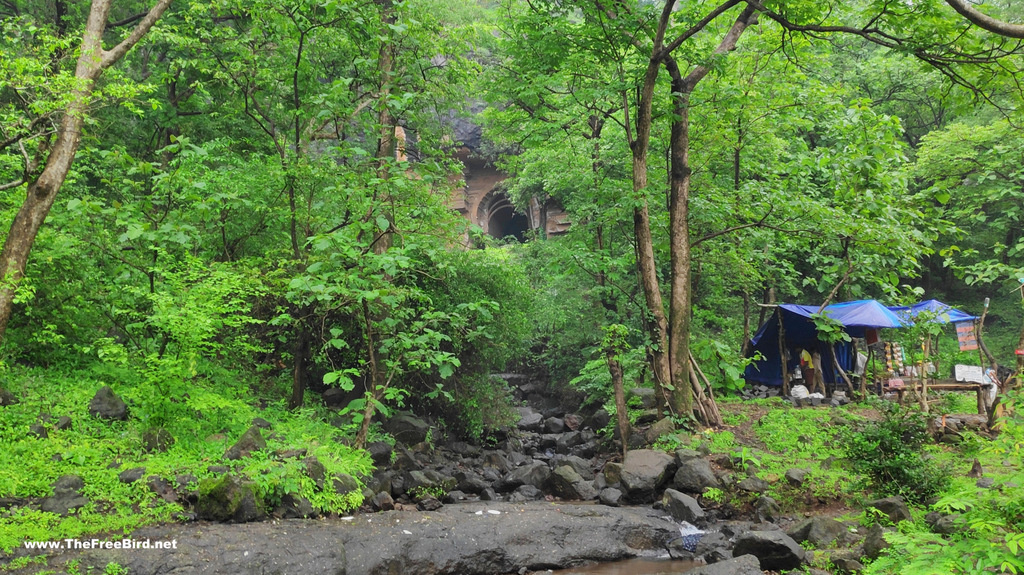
(204, 422)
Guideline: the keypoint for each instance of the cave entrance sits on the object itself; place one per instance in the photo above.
(503, 220)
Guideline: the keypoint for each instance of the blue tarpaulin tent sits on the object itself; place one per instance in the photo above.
(856, 317)
(946, 313)
(800, 332)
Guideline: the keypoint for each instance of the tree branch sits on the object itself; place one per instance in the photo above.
(117, 52)
(986, 22)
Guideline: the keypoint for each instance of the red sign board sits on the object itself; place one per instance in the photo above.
(966, 336)
(1019, 351)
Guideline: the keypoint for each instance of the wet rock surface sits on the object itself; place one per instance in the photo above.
(480, 538)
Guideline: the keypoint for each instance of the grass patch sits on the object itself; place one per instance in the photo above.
(204, 423)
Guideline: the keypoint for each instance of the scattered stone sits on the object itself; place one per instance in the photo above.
(686, 454)
(315, 470)
(529, 419)
(742, 565)
(568, 484)
(489, 495)
(526, 493)
(290, 453)
(578, 464)
(874, 542)
(105, 404)
(663, 426)
(612, 473)
(383, 501)
(428, 504)
(294, 506)
(572, 421)
(345, 483)
(714, 547)
(407, 428)
(600, 419)
(497, 461)
(230, 499)
(37, 430)
(7, 398)
(535, 474)
(682, 507)
(847, 564)
(646, 395)
(334, 398)
(610, 496)
(795, 477)
(251, 440)
(261, 423)
(218, 469)
(162, 488)
(694, 475)
(131, 475)
(775, 550)
(554, 425)
(819, 531)
(753, 485)
(64, 422)
(767, 509)
(985, 482)
(66, 497)
(643, 472)
(894, 507)
(156, 440)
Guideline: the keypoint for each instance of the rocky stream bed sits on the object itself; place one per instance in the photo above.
(550, 494)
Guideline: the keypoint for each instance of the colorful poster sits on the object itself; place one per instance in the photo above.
(966, 336)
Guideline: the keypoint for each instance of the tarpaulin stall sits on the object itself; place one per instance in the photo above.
(799, 332)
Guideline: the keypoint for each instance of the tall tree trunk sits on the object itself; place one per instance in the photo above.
(646, 265)
(681, 299)
(42, 192)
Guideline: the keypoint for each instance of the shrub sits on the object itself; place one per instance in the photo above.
(889, 454)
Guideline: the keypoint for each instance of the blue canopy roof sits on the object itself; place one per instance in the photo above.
(946, 313)
(856, 317)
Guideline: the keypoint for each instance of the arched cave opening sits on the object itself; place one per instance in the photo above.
(504, 221)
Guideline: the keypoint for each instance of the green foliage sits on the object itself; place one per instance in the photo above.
(889, 453)
(218, 404)
(991, 529)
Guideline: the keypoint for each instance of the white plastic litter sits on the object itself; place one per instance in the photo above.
(494, 512)
(798, 392)
(407, 532)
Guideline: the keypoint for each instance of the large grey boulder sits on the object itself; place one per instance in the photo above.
(742, 565)
(407, 428)
(529, 419)
(580, 465)
(568, 484)
(643, 472)
(893, 507)
(682, 507)
(819, 531)
(774, 549)
(694, 476)
(107, 405)
(535, 474)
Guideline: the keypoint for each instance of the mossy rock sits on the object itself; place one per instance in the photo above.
(229, 499)
(156, 440)
(251, 440)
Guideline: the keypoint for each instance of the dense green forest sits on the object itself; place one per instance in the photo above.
(225, 209)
